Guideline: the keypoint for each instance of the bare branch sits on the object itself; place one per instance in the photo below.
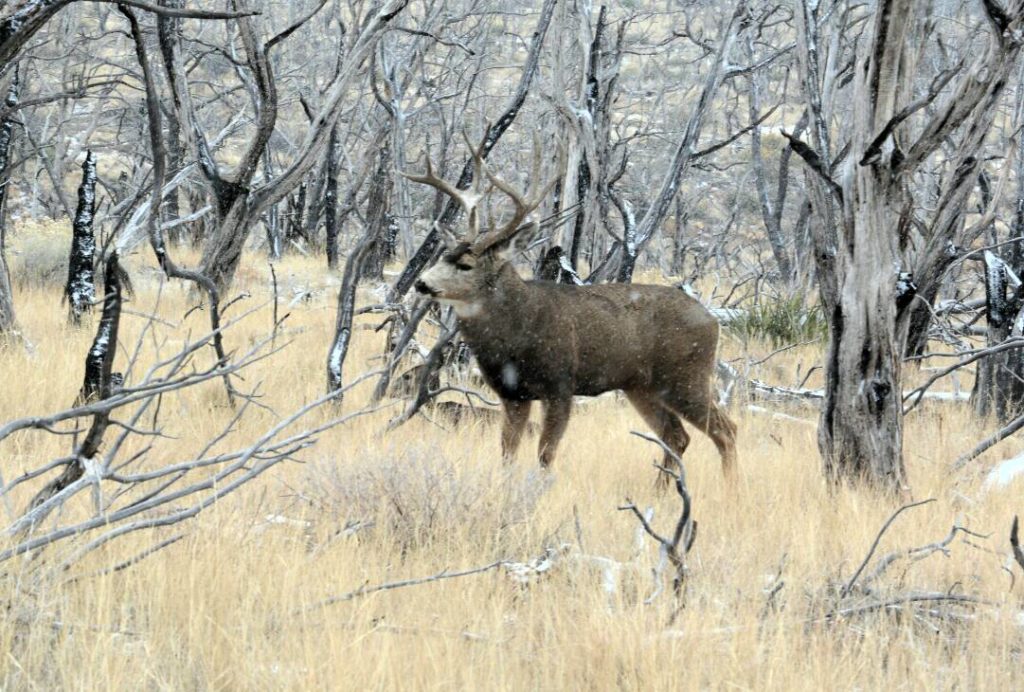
(874, 546)
(814, 162)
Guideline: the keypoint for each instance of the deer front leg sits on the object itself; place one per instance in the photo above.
(556, 419)
(517, 413)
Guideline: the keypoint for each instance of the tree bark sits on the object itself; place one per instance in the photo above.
(999, 383)
(379, 221)
(331, 201)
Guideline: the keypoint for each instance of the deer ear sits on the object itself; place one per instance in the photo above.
(507, 247)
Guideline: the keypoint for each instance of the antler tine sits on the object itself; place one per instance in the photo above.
(467, 201)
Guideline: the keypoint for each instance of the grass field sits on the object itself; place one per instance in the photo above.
(234, 604)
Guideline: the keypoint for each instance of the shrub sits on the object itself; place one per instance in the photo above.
(416, 500)
(38, 254)
(780, 322)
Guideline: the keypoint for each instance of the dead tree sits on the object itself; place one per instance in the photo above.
(240, 202)
(585, 187)
(80, 289)
(380, 224)
(863, 195)
(354, 265)
(771, 206)
(96, 386)
(154, 227)
(998, 386)
(331, 201)
(999, 382)
(7, 317)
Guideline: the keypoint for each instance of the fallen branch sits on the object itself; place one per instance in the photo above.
(672, 550)
(390, 586)
(989, 442)
(874, 546)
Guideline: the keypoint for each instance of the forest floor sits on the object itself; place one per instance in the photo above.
(238, 602)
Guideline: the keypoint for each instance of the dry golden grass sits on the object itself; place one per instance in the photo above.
(229, 607)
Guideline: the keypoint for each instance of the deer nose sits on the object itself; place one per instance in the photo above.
(422, 287)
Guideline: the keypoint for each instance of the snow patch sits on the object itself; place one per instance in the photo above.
(1005, 472)
(510, 376)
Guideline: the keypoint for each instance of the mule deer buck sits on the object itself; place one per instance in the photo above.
(537, 340)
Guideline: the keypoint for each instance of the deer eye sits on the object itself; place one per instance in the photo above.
(462, 266)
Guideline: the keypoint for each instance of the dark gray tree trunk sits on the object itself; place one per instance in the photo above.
(381, 227)
(97, 384)
(7, 317)
(999, 383)
(80, 289)
(331, 201)
(169, 32)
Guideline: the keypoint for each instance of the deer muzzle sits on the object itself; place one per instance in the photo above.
(422, 287)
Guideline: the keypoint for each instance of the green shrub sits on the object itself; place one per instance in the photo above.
(780, 322)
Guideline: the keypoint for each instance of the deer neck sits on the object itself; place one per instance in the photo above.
(501, 300)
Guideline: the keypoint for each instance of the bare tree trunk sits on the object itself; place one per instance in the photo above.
(999, 384)
(771, 212)
(169, 30)
(239, 206)
(379, 222)
(80, 289)
(96, 385)
(346, 312)
(331, 201)
(7, 317)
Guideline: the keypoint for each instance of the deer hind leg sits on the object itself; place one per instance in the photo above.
(556, 419)
(709, 418)
(665, 424)
(517, 413)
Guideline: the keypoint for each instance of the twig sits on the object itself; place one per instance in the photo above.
(904, 600)
(130, 561)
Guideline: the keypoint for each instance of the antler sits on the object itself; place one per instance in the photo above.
(523, 207)
(470, 200)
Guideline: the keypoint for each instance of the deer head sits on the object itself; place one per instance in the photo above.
(472, 261)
